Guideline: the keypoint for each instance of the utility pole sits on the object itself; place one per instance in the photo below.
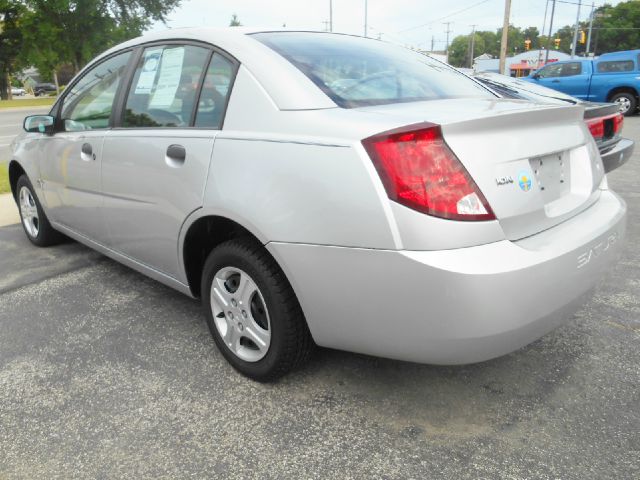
(473, 41)
(446, 48)
(331, 15)
(575, 31)
(366, 33)
(505, 35)
(553, 11)
(593, 6)
(544, 24)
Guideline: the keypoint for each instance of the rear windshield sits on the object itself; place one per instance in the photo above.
(356, 72)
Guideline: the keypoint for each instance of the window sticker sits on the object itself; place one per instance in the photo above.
(169, 78)
(148, 75)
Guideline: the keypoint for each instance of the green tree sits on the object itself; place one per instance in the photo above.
(11, 41)
(616, 28)
(458, 50)
(533, 34)
(235, 21)
(75, 31)
(489, 42)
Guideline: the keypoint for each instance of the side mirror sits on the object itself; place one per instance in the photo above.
(536, 76)
(39, 124)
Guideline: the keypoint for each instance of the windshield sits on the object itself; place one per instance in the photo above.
(355, 71)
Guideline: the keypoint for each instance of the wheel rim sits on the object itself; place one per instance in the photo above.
(29, 212)
(624, 103)
(240, 314)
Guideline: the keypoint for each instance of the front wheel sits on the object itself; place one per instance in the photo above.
(252, 312)
(627, 103)
(34, 221)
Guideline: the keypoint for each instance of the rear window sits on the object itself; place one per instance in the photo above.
(616, 66)
(357, 72)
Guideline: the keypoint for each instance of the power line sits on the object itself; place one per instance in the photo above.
(445, 17)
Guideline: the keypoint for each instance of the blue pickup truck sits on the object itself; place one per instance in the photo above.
(612, 77)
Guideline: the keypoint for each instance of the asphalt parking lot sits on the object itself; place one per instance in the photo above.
(107, 374)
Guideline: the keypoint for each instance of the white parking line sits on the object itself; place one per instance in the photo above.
(7, 136)
(12, 125)
(4, 144)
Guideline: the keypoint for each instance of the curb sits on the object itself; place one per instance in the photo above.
(8, 210)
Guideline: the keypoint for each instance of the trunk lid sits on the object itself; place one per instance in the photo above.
(537, 165)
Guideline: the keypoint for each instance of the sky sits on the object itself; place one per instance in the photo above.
(413, 23)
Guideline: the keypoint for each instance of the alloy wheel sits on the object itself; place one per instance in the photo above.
(240, 314)
(624, 103)
(29, 212)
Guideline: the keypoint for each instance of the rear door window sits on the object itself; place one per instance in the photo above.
(215, 92)
(615, 66)
(165, 85)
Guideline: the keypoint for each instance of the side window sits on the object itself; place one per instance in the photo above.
(165, 86)
(571, 69)
(616, 66)
(551, 71)
(89, 103)
(215, 92)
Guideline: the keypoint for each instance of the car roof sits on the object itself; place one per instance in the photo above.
(621, 54)
(287, 86)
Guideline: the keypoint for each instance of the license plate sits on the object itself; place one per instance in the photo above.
(552, 174)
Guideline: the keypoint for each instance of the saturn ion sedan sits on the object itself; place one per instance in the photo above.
(324, 189)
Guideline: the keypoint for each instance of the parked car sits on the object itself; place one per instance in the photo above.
(44, 89)
(612, 77)
(604, 120)
(408, 213)
(17, 91)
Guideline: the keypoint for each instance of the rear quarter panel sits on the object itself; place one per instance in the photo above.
(296, 192)
(602, 84)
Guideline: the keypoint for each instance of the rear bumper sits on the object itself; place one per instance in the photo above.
(453, 306)
(618, 155)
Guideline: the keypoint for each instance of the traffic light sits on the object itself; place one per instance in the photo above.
(583, 37)
(527, 44)
(556, 41)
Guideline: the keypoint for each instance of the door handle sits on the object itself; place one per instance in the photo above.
(176, 152)
(176, 155)
(555, 81)
(87, 150)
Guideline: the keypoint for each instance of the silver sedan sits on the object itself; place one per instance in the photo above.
(324, 189)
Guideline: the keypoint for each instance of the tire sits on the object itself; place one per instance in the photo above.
(244, 278)
(627, 102)
(39, 232)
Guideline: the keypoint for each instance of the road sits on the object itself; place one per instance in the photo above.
(11, 125)
(105, 373)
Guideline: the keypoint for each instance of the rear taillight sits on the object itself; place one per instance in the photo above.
(596, 127)
(618, 122)
(605, 127)
(419, 170)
